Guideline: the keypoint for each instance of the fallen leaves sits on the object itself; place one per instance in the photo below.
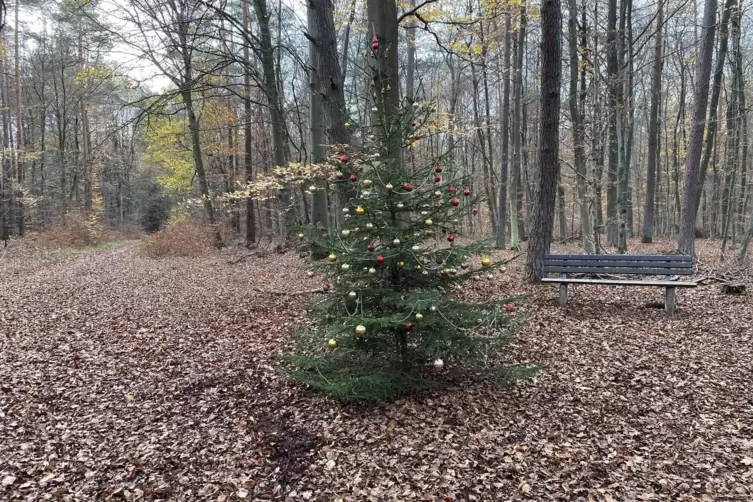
(126, 377)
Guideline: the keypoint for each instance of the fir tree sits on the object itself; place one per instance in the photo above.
(389, 323)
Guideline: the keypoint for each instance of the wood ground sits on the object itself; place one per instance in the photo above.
(127, 378)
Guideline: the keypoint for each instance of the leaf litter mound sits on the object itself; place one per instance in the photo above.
(128, 378)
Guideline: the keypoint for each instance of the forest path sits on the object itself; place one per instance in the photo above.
(136, 378)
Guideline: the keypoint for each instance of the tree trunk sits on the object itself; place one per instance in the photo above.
(551, 76)
(578, 133)
(250, 230)
(317, 139)
(516, 194)
(198, 159)
(716, 89)
(382, 17)
(410, 72)
(613, 157)
(686, 241)
(330, 72)
(653, 128)
(505, 132)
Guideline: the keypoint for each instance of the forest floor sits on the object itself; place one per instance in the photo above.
(129, 378)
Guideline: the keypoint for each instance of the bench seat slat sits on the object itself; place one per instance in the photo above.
(621, 264)
(618, 257)
(617, 282)
(616, 271)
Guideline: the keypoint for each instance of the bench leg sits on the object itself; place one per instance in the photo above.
(670, 300)
(563, 295)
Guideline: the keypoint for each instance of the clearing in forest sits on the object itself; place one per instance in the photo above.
(134, 378)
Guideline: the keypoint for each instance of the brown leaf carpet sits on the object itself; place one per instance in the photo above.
(127, 378)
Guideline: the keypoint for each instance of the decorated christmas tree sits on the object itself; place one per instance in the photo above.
(390, 322)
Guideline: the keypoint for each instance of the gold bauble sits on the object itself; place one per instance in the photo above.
(419, 317)
(300, 237)
(360, 211)
(332, 258)
(400, 264)
(428, 222)
(360, 330)
(485, 261)
(345, 233)
(332, 343)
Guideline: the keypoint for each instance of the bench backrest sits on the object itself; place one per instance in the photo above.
(618, 264)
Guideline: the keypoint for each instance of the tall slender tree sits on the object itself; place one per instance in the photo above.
(686, 239)
(551, 80)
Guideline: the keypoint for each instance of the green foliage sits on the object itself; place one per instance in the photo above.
(390, 323)
(155, 209)
(167, 146)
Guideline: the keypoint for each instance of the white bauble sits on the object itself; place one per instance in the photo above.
(345, 267)
(438, 193)
(352, 295)
(400, 205)
(372, 271)
(438, 364)
(388, 186)
(396, 242)
(415, 249)
(369, 226)
(312, 188)
(346, 210)
(310, 274)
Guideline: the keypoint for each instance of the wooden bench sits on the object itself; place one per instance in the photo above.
(620, 265)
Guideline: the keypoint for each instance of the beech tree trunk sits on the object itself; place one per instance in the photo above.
(505, 132)
(250, 233)
(578, 133)
(686, 240)
(516, 194)
(653, 128)
(716, 89)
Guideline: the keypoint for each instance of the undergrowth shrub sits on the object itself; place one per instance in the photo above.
(181, 238)
(78, 231)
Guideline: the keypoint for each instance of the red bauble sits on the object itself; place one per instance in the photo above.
(451, 238)
(353, 178)
(370, 247)
(408, 187)
(452, 189)
(413, 124)
(510, 308)
(375, 42)
(344, 159)
(325, 235)
(408, 326)
(455, 202)
(438, 169)
(325, 287)
(437, 178)
(467, 192)
(380, 259)
(475, 211)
